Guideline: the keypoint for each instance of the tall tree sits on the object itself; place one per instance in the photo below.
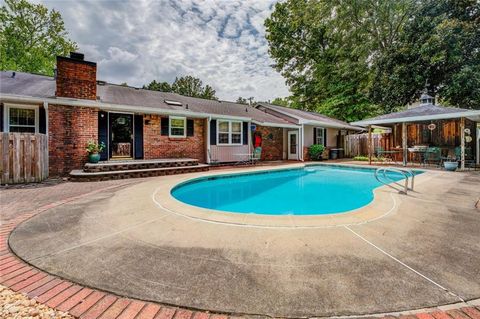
(325, 50)
(31, 36)
(281, 101)
(241, 100)
(440, 46)
(185, 85)
(158, 86)
(192, 86)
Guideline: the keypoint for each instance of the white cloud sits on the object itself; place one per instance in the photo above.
(220, 41)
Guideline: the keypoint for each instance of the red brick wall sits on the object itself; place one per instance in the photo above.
(272, 143)
(69, 129)
(157, 146)
(76, 79)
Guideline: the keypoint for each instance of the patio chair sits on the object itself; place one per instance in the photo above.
(379, 151)
(257, 155)
(433, 156)
(469, 159)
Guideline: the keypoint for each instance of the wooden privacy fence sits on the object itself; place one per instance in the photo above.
(23, 158)
(357, 144)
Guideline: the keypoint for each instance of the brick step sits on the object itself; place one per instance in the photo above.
(112, 166)
(82, 176)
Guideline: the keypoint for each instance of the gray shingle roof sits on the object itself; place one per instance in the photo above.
(39, 86)
(422, 112)
(27, 84)
(307, 115)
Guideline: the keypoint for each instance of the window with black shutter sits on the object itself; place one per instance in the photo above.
(190, 127)
(164, 126)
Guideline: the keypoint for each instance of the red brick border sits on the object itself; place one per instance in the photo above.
(86, 303)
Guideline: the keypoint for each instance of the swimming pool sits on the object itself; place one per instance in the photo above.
(311, 190)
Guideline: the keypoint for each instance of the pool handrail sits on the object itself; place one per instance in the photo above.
(408, 173)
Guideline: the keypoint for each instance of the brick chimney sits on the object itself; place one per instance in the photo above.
(76, 78)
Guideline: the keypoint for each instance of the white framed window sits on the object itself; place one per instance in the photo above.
(320, 136)
(21, 118)
(177, 126)
(229, 132)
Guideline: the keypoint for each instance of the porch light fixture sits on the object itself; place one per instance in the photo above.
(431, 126)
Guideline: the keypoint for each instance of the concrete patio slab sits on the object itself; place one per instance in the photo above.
(122, 241)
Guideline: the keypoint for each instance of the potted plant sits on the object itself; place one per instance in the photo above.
(315, 152)
(94, 149)
(450, 165)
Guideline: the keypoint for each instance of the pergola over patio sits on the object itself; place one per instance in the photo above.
(453, 130)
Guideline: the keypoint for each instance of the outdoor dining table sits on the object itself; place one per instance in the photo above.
(419, 155)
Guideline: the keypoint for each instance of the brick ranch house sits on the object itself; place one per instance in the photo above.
(73, 108)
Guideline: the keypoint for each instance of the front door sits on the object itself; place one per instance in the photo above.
(293, 145)
(121, 136)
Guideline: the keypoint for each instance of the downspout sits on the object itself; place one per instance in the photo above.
(302, 133)
(208, 139)
(45, 106)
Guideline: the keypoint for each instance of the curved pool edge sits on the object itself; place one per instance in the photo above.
(385, 201)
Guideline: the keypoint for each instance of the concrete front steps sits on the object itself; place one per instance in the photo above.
(111, 170)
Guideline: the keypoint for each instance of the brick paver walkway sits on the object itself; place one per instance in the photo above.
(18, 205)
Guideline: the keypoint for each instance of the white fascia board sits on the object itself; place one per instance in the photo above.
(331, 125)
(472, 113)
(276, 124)
(115, 107)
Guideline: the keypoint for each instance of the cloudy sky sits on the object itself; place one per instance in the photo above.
(220, 41)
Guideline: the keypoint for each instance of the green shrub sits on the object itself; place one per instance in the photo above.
(365, 159)
(315, 151)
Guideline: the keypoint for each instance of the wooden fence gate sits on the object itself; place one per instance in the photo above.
(357, 144)
(23, 158)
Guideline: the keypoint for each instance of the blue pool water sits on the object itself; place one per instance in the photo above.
(313, 190)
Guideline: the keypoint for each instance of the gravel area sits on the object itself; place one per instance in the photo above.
(15, 305)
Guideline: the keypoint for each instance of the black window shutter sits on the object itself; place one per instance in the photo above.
(314, 135)
(1, 117)
(213, 132)
(164, 126)
(42, 121)
(138, 122)
(103, 133)
(325, 137)
(245, 133)
(190, 127)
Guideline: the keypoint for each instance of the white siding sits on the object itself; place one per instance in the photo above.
(228, 153)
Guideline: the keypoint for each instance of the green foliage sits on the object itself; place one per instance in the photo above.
(241, 100)
(185, 85)
(281, 101)
(353, 59)
(362, 158)
(158, 86)
(31, 37)
(93, 147)
(191, 86)
(315, 151)
(440, 46)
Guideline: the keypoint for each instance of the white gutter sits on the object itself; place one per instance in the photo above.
(115, 107)
(275, 124)
(419, 118)
(330, 125)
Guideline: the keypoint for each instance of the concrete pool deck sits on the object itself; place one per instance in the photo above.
(425, 252)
